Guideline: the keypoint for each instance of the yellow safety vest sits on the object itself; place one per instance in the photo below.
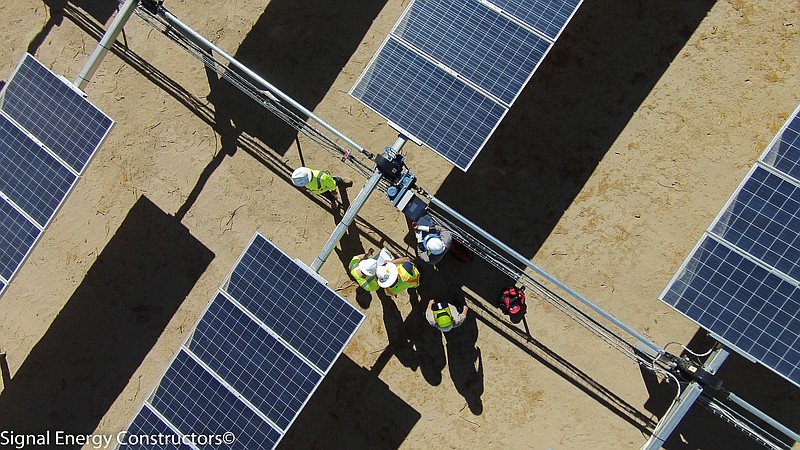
(405, 279)
(321, 182)
(368, 284)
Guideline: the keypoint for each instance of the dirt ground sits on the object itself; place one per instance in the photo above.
(619, 153)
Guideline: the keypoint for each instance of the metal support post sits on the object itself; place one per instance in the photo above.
(513, 253)
(675, 413)
(106, 43)
(354, 208)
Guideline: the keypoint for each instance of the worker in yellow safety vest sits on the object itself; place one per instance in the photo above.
(318, 181)
(362, 268)
(397, 276)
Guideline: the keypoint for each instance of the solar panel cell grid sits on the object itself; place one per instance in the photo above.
(255, 363)
(547, 16)
(17, 236)
(147, 423)
(453, 33)
(784, 155)
(764, 220)
(422, 98)
(29, 175)
(751, 309)
(302, 311)
(196, 402)
(56, 114)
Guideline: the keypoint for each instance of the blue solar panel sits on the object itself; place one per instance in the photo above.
(763, 219)
(434, 107)
(449, 71)
(546, 16)
(149, 432)
(451, 32)
(300, 309)
(741, 282)
(748, 307)
(29, 175)
(50, 109)
(197, 403)
(17, 236)
(254, 362)
(784, 154)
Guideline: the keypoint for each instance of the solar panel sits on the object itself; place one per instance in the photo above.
(196, 402)
(256, 355)
(17, 236)
(742, 281)
(51, 109)
(148, 431)
(252, 361)
(449, 71)
(29, 175)
(289, 300)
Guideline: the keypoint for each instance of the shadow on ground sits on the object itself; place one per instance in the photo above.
(752, 382)
(101, 336)
(601, 69)
(352, 408)
(99, 10)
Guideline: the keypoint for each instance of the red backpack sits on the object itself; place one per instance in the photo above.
(512, 302)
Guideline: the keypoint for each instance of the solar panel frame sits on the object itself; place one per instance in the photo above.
(18, 236)
(759, 228)
(56, 112)
(29, 174)
(546, 16)
(389, 96)
(293, 317)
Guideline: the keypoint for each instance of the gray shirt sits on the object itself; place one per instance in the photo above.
(447, 240)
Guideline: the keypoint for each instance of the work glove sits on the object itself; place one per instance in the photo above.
(418, 234)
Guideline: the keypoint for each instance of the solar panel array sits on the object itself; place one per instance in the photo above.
(255, 357)
(449, 71)
(742, 280)
(48, 134)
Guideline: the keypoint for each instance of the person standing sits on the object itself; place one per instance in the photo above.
(444, 316)
(432, 242)
(362, 268)
(318, 181)
(398, 275)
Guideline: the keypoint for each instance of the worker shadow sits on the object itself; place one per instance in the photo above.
(88, 355)
(427, 340)
(465, 362)
(351, 409)
(604, 65)
(400, 345)
(754, 383)
(100, 10)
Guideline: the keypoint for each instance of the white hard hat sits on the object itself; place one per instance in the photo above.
(434, 244)
(368, 267)
(301, 176)
(387, 274)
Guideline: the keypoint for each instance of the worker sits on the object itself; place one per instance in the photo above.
(444, 316)
(432, 242)
(398, 275)
(363, 268)
(318, 181)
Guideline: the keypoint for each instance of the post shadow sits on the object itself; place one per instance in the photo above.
(300, 47)
(101, 336)
(601, 69)
(351, 409)
(100, 10)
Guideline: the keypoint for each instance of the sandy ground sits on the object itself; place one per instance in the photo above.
(618, 154)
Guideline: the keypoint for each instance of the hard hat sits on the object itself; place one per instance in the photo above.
(387, 274)
(442, 316)
(301, 176)
(368, 267)
(433, 243)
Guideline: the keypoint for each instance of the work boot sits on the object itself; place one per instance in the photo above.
(347, 182)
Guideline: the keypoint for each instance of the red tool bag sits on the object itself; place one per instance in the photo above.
(512, 302)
